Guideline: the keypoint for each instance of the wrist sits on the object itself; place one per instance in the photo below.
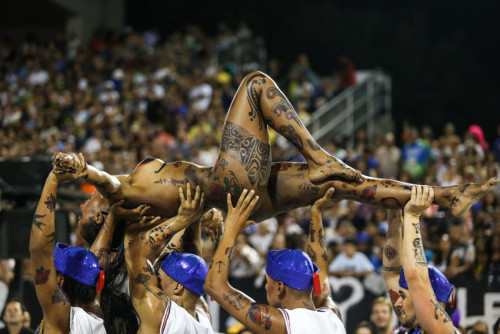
(412, 214)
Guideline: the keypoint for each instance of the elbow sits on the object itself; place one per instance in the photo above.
(209, 286)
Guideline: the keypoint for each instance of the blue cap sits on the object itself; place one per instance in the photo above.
(292, 267)
(442, 288)
(188, 269)
(78, 263)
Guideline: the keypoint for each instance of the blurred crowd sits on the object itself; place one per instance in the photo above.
(124, 97)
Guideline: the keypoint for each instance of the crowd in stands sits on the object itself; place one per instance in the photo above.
(124, 97)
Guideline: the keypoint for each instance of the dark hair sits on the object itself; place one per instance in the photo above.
(13, 300)
(364, 324)
(77, 291)
(90, 231)
(120, 316)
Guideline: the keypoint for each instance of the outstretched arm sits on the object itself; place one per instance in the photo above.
(316, 250)
(109, 186)
(55, 304)
(392, 261)
(430, 314)
(259, 318)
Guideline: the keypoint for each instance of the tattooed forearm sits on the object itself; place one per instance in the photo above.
(236, 300)
(419, 252)
(311, 253)
(417, 227)
(219, 263)
(51, 203)
(38, 223)
(143, 279)
(102, 253)
(321, 237)
(41, 275)
(308, 189)
(439, 309)
(52, 238)
(390, 253)
(386, 268)
(259, 314)
(311, 233)
(159, 233)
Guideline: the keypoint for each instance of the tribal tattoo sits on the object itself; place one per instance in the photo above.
(321, 237)
(253, 154)
(162, 166)
(311, 233)
(253, 98)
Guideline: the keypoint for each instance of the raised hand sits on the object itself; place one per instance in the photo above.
(191, 208)
(325, 201)
(395, 218)
(212, 222)
(237, 217)
(135, 215)
(421, 198)
(68, 166)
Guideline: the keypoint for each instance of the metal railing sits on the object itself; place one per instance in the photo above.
(366, 104)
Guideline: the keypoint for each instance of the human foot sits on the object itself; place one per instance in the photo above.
(332, 168)
(467, 194)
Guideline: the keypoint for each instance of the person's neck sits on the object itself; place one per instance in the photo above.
(15, 328)
(293, 303)
(189, 304)
(92, 307)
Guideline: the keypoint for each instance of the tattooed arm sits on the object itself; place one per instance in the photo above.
(55, 304)
(316, 250)
(430, 313)
(110, 186)
(260, 318)
(392, 261)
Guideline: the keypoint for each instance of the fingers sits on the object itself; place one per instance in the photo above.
(197, 195)
(242, 198)
(188, 192)
(181, 196)
(251, 205)
(430, 199)
(229, 203)
(329, 193)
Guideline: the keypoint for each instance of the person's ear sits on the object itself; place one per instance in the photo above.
(100, 217)
(60, 280)
(280, 289)
(179, 288)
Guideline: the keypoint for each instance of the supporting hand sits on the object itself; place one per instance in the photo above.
(421, 198)
(237, 217)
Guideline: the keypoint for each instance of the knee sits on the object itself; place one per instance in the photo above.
(256, 75)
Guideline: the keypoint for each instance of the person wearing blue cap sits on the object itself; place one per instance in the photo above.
(418, 292)
(168, 299)
(290, 275)
(67, 279)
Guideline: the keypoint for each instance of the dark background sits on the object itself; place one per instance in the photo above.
(443, 55)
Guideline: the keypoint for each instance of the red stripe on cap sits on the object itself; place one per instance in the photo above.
(100, 282)
(316, 284)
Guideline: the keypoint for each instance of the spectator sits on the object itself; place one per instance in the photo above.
(364, 327)
(462, 253)
(480, 327)
(350, 262)
(388, 156)
(381, 316)
(415, 156)
(13, 317)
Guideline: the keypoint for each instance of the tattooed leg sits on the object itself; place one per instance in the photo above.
(292, 188)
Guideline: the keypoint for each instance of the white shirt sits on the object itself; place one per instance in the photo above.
(359, 262)
(177, 320)
(85, 323)
(301, 320)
